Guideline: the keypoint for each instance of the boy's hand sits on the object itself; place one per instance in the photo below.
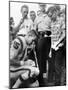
(21, 63)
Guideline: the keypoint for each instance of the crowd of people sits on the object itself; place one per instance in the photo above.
(38, 48)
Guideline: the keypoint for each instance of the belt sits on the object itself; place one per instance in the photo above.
(43, 33)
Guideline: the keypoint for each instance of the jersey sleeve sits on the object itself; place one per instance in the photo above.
(14, 49)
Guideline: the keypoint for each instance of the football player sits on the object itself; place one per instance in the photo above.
(21, 68)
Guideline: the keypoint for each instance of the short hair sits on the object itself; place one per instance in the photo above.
(24, 6)
(33, 33)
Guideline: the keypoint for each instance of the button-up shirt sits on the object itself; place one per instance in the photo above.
(43, 22)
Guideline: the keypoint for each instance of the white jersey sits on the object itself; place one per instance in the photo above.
(25, 27)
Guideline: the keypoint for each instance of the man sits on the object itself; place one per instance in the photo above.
(33, 20)
(21, 68)
(24, 26)
(44, 43)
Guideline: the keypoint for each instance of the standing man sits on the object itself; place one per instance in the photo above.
(24, 26)
(44, 43)
(33, 20)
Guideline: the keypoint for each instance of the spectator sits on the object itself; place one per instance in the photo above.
(33, 20)
(44, 43)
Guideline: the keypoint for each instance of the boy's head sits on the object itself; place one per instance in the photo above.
(52, 12)
(32, 15)
(31, 36)
(24, 10)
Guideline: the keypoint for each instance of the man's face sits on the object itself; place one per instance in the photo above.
(24, 12)
(30, 39)
(32, 16)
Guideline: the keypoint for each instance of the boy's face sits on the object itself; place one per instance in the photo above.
(24, 12)
(30, 39)
(32, 16)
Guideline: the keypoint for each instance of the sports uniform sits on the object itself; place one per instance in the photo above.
(20, 65)
(58, 51)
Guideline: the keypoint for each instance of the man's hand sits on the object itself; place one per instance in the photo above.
(22, 20)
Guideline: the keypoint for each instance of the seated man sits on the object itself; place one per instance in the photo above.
(21, 68)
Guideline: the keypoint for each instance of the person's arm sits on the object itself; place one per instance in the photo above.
(16, 29)
(15, 63)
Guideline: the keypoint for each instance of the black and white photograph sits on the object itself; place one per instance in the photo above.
(37, 44)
